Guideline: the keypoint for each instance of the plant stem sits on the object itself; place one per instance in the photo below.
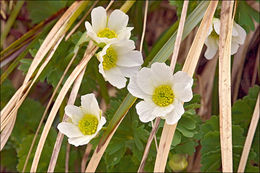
(127, 5)
(11, 20)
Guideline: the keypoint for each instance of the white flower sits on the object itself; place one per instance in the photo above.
(163, 92)
(86, 121)
(238, 38)
(119, 60)
(106, 29)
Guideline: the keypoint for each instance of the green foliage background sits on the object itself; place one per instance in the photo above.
(127, 145)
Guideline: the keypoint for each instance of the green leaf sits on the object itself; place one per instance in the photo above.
(241, 116)
(245, 16)
(30, 114)
(187, 146)
(43, 164)
(187, 122)
(40, 10)
(6, 92)
(176, 139)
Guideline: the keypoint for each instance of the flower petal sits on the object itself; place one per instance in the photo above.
(212, 47)
(134, 89)
(123, 46)
(91, 33)
(115, 77)
(69, 129)
(98, 18)
(144, 110)
(234, 47)
(210, 30)
(162, 73)
(162, 111)
(240, 38)
(129, 71)
(130, 59)
(125, 34)
(117, 20)
(182, 86)
(216, 25)
(77, 141)
(74, 112)
(101, 123)
(145, 80)
(90, 105)
(174, 116)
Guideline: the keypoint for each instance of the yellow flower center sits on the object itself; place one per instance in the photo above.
(109, 59)
(214, 34)
(163, 95)
(88, 124)
(108, 33)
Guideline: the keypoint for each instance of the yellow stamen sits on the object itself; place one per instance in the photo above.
(88, 124)
(107, 33)
(109, 59)
(163, 95)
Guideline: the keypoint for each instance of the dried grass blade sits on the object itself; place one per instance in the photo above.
(237, 66)
(85, 157)
(250, 137)
(13, 112)
(225, 123)
(63, 92)
(173, 63)
(161, 56)
(189, 67)
(46, 46)
(53, 38)
(46, 110)
(98, 153)
(81, 20)
(71, 101)
(148, 144)
(6, 133)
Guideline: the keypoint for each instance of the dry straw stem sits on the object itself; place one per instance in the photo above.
(85, 157)
(225, 123)
(52, 40)
(206, 83)
(81, 20)
(144, 25)
(250, 137)
(189, 67)
(71, 101)
(67, 159)
(99, 151)
(46, 110)
(90, 52)
(179, 35)
(148, 144)
(11, 116)
(173, 63)
(237, 66)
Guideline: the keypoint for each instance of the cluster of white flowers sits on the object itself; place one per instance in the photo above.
(161, 91)
(238, 38)
(118, 59)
